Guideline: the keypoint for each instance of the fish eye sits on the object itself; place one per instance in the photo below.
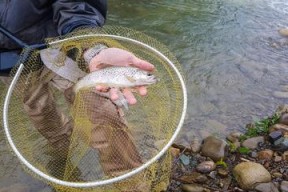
(149, 74)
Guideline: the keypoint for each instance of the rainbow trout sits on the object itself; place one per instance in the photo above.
(116, 77)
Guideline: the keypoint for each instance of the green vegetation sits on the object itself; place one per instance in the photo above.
(221, 163)
(243, 150)
(260, 127)
(232, 146)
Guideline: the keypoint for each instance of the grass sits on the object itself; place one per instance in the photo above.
(260, 127)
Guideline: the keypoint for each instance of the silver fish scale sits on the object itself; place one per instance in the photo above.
(111, 77)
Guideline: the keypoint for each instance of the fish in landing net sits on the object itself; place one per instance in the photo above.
(116, 77)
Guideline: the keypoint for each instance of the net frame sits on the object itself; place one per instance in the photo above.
(102, 182)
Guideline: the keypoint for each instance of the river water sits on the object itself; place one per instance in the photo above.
(235, 62)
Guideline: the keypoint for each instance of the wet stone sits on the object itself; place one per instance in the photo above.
(192, 188)
(206, 167)
(284, 186)
(281, 127)
(191, 178)
(277, 175)
(283, 146)
(266, 187)
(265, 154)
(212, 174)
(252, 143)
(222, 172)
(253, 154)
(174, 151)
(284, 32)
(232, 139)
(277, 158)
(201, 179)
(278, 141)
(284, 119)
(248, 174)
(214, 148)
(274, 136)
(195, 146)
(285, 156)
(185, 159)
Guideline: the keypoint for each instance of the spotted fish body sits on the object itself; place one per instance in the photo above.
(116, 77)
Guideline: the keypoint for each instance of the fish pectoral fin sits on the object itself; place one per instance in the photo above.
(131, 79)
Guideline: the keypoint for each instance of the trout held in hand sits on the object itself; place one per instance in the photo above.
(119, 77)
(116, 77)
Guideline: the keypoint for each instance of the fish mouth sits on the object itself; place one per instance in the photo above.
(153, 79)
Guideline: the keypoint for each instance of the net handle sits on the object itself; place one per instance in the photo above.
(102, 182)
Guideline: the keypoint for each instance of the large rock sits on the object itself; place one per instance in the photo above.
(248, 174)
(214, 148)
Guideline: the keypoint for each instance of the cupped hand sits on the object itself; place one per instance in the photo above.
(119, 57)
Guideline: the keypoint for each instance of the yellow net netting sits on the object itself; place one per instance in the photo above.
(83, 141)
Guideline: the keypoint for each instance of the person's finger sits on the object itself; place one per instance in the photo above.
(101, 88)
(114, 94)
(129, 96)
(142, 64)
(142, 90)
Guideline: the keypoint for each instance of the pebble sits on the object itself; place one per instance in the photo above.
(222, 172)
(284, 186)
(206, 167)
(195, 146)
(285, 156)
(283, 32)
(212, 174)
(252, 143)
(265, 154)
(185, 159)
(274, 136)
(277, 158)
(174, 152)
(253, 154)
(266, 187)
(284, 119)
(281, 127)
(192, 188)
(201, 179)
(191, 178)
(277, 175)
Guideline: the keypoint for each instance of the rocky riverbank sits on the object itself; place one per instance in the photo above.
(256, 160)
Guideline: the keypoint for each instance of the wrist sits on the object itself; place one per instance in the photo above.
(90, 53)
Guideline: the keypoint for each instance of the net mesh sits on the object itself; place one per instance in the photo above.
(85, 137)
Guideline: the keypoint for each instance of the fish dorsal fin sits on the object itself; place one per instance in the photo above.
(131, 79)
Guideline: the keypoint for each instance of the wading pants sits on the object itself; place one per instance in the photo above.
(114, 144)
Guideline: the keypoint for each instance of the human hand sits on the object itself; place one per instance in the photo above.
(119, 57)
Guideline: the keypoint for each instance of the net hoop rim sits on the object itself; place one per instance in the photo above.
(102, 182)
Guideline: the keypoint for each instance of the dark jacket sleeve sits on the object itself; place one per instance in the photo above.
(71, 14)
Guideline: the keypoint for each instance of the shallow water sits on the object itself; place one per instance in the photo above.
(231, 51)
(232, 54)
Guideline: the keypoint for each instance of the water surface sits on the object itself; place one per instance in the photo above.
(232, 54)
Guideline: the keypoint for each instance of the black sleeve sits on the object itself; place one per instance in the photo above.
(70, 14)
